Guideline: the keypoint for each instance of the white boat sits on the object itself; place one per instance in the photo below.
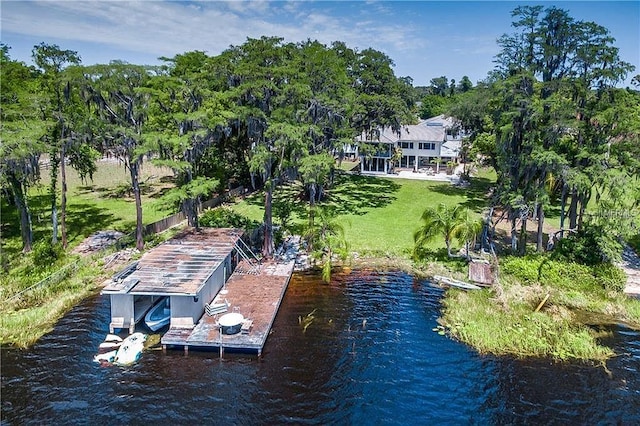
(106, 357)
(109, 345)
(159, 315)
(456, 283)
(131, 349)
(113, 338)
(111, 342)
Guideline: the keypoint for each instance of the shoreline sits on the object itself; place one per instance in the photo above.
(451, 316)
(570, 321)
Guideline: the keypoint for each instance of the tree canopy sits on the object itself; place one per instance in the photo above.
(549, 118)
(553, 124)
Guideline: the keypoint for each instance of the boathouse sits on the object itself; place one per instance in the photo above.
(191, 269)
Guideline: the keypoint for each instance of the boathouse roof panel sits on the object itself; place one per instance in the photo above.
(181, 265)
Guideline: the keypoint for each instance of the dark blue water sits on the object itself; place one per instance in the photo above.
(368, 356)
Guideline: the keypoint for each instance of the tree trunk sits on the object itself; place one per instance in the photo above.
(573, 210)
(54, 221)
(583, 206)
(539, 245)
(191, 211)
(310, 226)
(63, 202)
(267, 248)
(448, 244)
(563, 205)
(54, 163)
(312, 194)
(134, 170)
(514, 232)
(25, 216)
(523, 237)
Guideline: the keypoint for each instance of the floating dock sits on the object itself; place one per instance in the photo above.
(253, 290)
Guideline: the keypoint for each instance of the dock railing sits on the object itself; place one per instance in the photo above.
(248, 255)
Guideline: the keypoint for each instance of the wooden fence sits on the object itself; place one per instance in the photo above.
(151, 228)
(175, 219)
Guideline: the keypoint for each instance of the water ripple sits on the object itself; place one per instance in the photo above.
(369, 356)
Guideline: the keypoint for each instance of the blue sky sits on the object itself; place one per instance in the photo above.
(425, 39)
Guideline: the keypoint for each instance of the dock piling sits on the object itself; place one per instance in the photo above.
(220, 331)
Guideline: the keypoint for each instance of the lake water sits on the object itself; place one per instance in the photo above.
(367, 356)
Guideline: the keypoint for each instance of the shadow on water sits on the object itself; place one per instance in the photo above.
(359, 350)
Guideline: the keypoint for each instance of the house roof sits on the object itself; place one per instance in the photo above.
(430, 130)
(181, 265)
(440, 119)
(451, 148)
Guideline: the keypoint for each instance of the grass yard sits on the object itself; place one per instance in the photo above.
(386, 224)
(379, 215)
(102, 203)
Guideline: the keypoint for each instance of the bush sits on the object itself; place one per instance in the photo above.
(45, 254)
(222, 217)
(634, 242)
(611, 277)
(525, 269)
(282, 210)
(563, 274)
(593, 245)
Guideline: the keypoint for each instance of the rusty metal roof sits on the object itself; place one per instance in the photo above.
(179, 266)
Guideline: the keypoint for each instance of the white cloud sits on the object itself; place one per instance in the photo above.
(167, 28)
(418, 36)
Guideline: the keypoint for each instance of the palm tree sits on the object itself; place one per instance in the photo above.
(468, 229)
(325, 238)
(439, 221)
(395, 158)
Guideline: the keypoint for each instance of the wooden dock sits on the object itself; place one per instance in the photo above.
(253, 291)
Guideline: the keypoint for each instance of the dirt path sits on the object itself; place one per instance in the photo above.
(631, 266)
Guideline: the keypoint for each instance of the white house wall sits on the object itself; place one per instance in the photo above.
(436, 130)
(122, 311)
(186, 310)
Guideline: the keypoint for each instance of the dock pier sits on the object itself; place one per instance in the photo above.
(255, 292)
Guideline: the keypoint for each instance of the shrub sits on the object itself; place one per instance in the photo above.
(564, 274)
(610, 277)
(634, 242)
(525, 269)
(593, 245)
(46, 254)
(282, 210)
(223, 217)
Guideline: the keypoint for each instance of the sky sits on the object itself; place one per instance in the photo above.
(425, 39)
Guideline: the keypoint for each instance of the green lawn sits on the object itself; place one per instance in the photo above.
(101, 203)
(380, 215)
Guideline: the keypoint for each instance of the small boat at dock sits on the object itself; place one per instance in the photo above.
(455, 283)
(159, 315)
(130, 350)
(111, 342)
(105, 358)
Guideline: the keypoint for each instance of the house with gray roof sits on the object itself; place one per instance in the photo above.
(424, 146)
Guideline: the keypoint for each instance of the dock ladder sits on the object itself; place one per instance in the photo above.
(249, 256)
